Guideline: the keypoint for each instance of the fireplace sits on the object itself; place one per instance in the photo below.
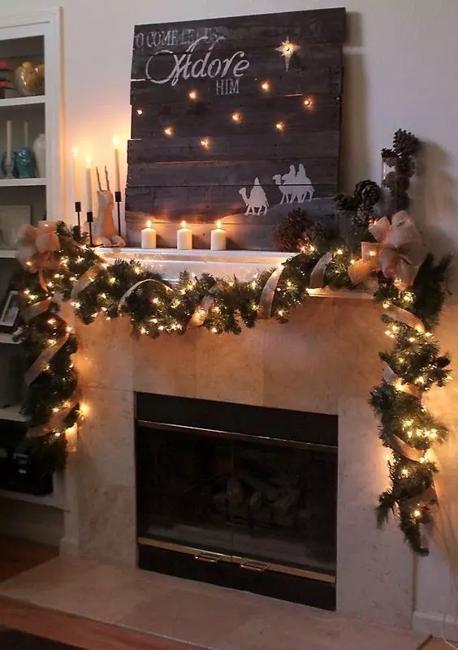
(236, 495)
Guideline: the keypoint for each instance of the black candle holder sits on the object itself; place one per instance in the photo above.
(90, 219)
(78, 214)
(118, 199)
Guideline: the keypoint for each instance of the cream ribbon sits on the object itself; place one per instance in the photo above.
(390, 377)
(40, 363)
(268, 293)
(35, 250)
(318, 271)
(32, 311)
(135, 286)
(201, 312)
(85, 280)
(406, 317)
(405, 450)
(56, 420)
(399, 252)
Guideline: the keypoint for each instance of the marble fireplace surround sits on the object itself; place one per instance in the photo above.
(324, 360)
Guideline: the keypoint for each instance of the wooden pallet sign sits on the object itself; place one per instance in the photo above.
(235, 119)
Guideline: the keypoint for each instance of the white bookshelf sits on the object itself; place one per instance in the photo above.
(7, 339)
(12, 414)
(18, 102)
(22, 182)
(7, 254)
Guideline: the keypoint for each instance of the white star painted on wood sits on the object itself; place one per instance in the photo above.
(287, 49)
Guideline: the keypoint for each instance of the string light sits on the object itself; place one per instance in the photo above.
(416, 513)
(205, 142)
(308, 102)
(139, 111)
(192, 95)
(280, 126)
(168, 131)
(265, 86)
(236, 117)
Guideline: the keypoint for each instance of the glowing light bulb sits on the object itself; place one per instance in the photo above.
(205, 143)
(416, 513)
(308, 102)
(280, 126)
(168, 131)
(405, 472)
(192, 95)
(116, 140)
(265, 86)
(139, 111)
(236, 117)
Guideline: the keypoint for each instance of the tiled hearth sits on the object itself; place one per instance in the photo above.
(323, 361)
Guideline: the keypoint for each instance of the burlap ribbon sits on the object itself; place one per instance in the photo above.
(55, 422)
(318, 271)
(398, 253)
(135, 286)
(405, 450)
(201, 312)
(390, 377)
(32, 311)
(268, 293)
(35, 250)
(41, 362)
(406, 317)
(85, 280)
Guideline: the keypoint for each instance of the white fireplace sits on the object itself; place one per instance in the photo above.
(323, 360)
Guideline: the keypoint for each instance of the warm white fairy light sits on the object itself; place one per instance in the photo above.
(192, 94)
(287, 49)
(265, 86)
(139, 111)
(168, 131)
(308, 102)
(205, 143)
(236, 117)
(280, 126)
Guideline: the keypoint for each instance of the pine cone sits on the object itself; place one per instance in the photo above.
(405, 143)
(389, 157)
(360, 187)
(361, 218)
(406, 166)
(346, 202)
(370, 195)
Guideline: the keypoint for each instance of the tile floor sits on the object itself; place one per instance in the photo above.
(192, 612)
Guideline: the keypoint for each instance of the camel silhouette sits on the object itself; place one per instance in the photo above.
(256, 202)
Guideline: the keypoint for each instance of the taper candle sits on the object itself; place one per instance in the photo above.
(116, 163)
(148, 236)
(218, 238)
(9, 141)
(184, 237)
(88, 185)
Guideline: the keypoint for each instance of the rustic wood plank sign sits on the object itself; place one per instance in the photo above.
(235, 119)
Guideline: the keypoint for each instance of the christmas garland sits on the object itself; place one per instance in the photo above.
(72, 271)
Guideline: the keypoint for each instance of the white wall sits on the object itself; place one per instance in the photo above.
(399, 72)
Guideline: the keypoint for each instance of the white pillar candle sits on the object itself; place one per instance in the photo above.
(45, 224)
(9, 141)
(218, 238)
(116, 163)
(369, 250)
(75, 176)
(88, 185)
(148, 236)
(184, 237)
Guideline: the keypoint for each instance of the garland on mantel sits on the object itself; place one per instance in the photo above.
(62, 267)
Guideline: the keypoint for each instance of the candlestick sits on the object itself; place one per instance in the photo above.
(184, 237)
(118, 199)
(78, 214)
(148, 236)
(88, 185)
(116, 162)
(218, 238)
(90, 219)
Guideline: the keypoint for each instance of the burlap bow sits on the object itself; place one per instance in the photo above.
(36, 248)
(398, 253)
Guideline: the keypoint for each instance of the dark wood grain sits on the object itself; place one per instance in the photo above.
(254, 116)
(188, 158)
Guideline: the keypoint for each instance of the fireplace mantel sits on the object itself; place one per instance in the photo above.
(227, 264)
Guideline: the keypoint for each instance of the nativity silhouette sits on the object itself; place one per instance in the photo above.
(294, 186)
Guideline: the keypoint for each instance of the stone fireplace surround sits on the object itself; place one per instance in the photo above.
(324, 360)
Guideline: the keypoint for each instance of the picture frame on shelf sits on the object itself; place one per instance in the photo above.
(9, 315)
(12, 218)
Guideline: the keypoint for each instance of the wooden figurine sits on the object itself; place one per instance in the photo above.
(104, 228)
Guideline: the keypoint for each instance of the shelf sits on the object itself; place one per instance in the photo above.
(21, 182)
(8, 339)
(7, 254)
(11, 102)
(52, 500)
(12, 414)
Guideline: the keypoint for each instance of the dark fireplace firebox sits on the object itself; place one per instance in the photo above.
(241, 496)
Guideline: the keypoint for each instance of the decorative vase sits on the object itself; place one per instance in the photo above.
(39, 149)
(25, 163)
(29, 78)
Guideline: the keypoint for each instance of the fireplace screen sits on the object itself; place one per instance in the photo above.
(221, 492)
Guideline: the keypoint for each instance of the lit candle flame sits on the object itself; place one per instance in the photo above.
(116, 141)
(149, 223)
(183, 224)
(219, 223)
(75, 152)
(88, 161)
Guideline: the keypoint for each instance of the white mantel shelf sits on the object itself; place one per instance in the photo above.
(244, 264)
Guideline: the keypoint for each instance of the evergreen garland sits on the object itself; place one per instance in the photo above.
(157, 308)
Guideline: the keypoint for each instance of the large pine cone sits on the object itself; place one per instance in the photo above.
(405, 143)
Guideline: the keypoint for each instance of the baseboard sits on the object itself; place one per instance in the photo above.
(436, 624)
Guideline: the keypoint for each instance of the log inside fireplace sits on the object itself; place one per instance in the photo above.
(237, 495)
